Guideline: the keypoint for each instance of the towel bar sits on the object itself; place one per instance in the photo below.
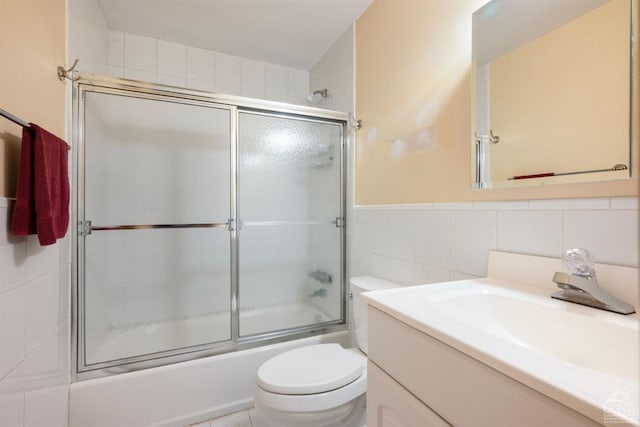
(18, 121)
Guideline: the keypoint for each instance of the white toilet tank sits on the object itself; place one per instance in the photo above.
(359, 285)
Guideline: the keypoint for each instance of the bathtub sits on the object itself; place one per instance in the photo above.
(151, 337)
(181, 393)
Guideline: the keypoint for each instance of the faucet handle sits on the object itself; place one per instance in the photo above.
(579, 261)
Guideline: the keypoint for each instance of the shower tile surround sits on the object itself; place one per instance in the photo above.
(142, 58)
(34, 328)
(334, 72)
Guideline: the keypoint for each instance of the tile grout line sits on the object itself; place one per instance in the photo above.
(497, 218)
(562, 231)
(449, 242)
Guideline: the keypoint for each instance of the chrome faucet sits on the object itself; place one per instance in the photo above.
(581, 285)
(318, 293)
(321, 276)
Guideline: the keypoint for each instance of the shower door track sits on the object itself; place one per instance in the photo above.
(86, 82)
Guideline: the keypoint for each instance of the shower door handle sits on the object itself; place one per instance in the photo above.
(86, 227)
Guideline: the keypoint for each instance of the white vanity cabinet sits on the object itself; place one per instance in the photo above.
(417, 380)
(391, 405)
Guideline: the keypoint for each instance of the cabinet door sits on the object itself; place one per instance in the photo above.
(391, 405)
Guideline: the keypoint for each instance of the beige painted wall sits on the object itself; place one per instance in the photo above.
(32, 44)
(413, 61)
(580, 95)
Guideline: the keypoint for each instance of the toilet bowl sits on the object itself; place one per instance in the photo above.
(319, 385)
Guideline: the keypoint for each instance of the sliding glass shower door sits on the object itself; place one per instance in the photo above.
(290, 222)
(157, 201)
(205, 224)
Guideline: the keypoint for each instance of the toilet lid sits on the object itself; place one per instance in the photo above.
(309, 370)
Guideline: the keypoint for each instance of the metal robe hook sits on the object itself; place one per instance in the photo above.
(494, 139)
(66, 74)
(353, 122)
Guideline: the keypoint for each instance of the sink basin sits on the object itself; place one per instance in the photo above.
(585, 358)
(594, 340)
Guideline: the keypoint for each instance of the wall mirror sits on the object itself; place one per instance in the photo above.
(552, 91)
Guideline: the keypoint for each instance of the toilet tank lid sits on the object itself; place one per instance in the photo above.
(369, 283)
(311, 369)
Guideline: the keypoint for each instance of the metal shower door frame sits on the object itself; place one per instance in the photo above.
(85, 83)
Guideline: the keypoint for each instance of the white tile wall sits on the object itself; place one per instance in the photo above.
(115, 71)
(140, 53)
(201, 64)
(13, 253)
(473, 234)
(298, 85)
(611, 235)
(277, 78)
(414, 244)
(34, 329)
(335, 72)
(229, 71)
(142, 75)
(88, 36)
(158, 61)
(433, 250)
(530, 232)
(206, 85)
(624, 203)
(172, 59)
(254, 74)
(115, 51)
(168, 79)
(12, 312)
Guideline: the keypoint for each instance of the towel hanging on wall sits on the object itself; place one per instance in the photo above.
(19, 121)
(42, 196)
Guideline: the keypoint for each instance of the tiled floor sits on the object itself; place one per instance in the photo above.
(239, 419)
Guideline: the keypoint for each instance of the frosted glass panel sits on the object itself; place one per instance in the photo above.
(158, 182)
(289, 247)
(155, 290)
(155, 162)
(289, 169)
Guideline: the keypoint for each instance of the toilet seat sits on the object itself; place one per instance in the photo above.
(312, 402)
(331, 397)
(310, 370)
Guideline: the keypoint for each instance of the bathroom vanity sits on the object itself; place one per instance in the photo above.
(500, 352)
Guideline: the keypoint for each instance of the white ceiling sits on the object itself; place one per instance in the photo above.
(293, 33)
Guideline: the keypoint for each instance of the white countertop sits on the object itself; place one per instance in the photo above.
(582, 357)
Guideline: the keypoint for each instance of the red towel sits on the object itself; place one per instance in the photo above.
(42, 196)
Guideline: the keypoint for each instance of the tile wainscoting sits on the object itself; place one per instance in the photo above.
(34, 328)
(427, 243)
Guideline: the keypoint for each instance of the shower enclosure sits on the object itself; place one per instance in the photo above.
(205, 224)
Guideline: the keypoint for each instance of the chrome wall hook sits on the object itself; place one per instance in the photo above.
(492, 138)
(66, 74)
(353, 122)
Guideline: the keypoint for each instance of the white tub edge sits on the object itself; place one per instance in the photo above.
(180, 394)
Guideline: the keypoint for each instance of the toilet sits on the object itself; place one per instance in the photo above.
(322, 384)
